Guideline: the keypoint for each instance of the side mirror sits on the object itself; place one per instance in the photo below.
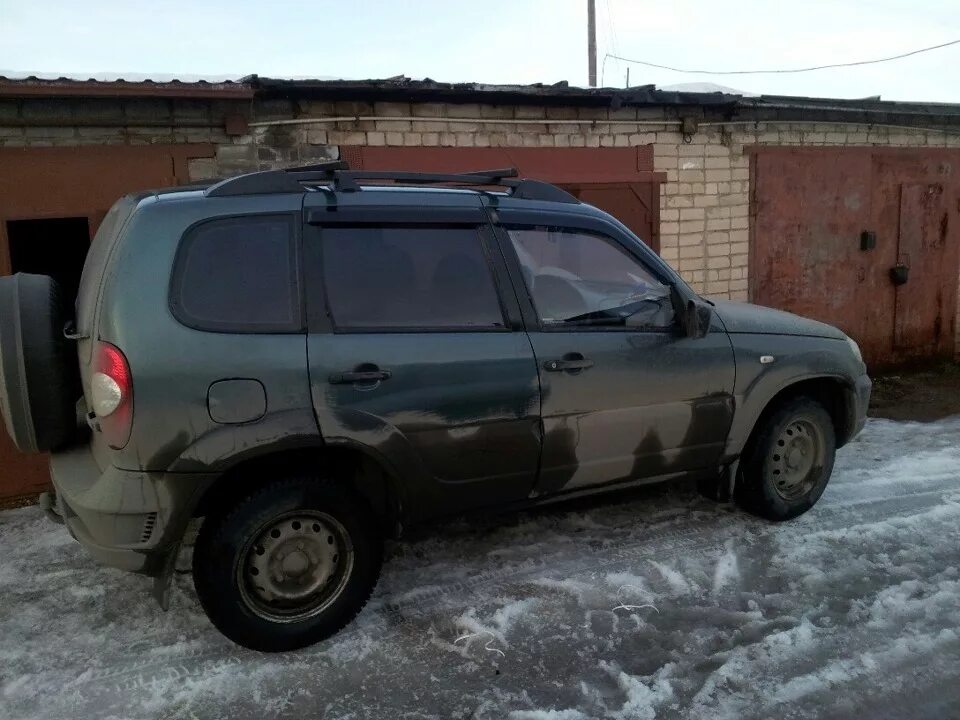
(696, 319)
(693, 315)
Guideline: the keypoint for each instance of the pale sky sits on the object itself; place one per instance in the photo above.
(514, 41)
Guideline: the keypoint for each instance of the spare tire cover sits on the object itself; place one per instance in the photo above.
(39, 370)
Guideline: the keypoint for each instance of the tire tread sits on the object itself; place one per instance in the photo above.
(752, 492)
(215, 534)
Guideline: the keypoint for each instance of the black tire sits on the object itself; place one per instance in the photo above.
(39, 370)
(788, 462)
(231, 543)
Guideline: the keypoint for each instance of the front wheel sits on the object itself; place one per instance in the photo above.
(787, 465)
(289, 565)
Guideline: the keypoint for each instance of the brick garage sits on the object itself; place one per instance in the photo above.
(699, 152)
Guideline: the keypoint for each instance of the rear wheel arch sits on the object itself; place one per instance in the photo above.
(356, 467)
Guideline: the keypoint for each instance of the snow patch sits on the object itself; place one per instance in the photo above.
(568, 714)
(677, 582)
(643, 696)
(727, 570)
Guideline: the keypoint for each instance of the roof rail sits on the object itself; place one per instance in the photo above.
(345, 180)
(289, 180)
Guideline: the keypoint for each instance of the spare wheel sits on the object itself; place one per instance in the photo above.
(39, 370)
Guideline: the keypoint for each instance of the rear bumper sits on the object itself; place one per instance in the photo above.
(125, 519)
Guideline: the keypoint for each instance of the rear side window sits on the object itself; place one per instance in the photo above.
(238, 275)
(409, 277)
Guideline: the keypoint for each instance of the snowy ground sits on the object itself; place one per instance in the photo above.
(651, 605)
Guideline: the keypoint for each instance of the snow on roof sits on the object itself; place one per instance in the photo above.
(705, 87)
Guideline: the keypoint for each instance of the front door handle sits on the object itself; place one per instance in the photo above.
(571, 362)
(359, 376)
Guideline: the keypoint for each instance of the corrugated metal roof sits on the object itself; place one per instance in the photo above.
(34, 86)
(717, 104)
(404, 89)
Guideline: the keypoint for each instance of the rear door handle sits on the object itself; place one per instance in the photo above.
(359, 376)
(568, 363)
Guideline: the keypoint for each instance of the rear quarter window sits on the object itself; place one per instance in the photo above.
(238, 274)
(96, 262)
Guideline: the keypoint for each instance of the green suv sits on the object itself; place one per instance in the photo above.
(313, 359)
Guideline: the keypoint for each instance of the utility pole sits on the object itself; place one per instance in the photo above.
(592, 42)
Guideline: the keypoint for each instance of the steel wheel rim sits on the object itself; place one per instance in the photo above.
(295, 566)
(797, 458)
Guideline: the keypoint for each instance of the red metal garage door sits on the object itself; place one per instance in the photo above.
(811, 208)
(77, 184)
(620, 181)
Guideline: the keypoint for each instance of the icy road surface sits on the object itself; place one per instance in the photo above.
(656, 604)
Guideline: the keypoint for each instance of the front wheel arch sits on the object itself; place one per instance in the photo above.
(836, 395)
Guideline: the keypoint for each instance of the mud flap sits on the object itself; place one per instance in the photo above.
(163, 579)
(720, 488)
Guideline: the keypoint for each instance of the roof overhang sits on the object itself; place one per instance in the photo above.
(66, 87)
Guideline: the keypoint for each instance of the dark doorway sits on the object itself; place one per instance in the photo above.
(55, 247)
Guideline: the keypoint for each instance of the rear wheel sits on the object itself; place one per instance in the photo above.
(289, 565)
(788, 463)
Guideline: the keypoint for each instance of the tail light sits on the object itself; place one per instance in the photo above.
(111, 394)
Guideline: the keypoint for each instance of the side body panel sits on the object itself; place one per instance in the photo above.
(652, 403)
(796, 358)
(457, 419)
(174, 367)
(457, 422)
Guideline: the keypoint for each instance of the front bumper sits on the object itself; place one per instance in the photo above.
(861, 393)
(125, 519)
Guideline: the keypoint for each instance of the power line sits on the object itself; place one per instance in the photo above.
(782, 71)
(614, 45)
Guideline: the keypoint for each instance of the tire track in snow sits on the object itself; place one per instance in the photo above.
(693, 542)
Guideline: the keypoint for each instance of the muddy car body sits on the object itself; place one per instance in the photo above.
(312, 361)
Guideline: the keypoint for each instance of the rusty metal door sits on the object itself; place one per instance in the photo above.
(809, 209)
(867, 239)
(922, 253)
(635, 204)
(40, 183)
(917, 198)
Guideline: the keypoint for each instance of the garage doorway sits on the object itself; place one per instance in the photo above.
(52, 199)
(52, 246)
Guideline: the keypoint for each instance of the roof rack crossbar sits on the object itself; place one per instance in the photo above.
(344, 179)
(347, 180)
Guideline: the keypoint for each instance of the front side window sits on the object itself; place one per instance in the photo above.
(578, 278)
(238, 275)
(409, 277)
